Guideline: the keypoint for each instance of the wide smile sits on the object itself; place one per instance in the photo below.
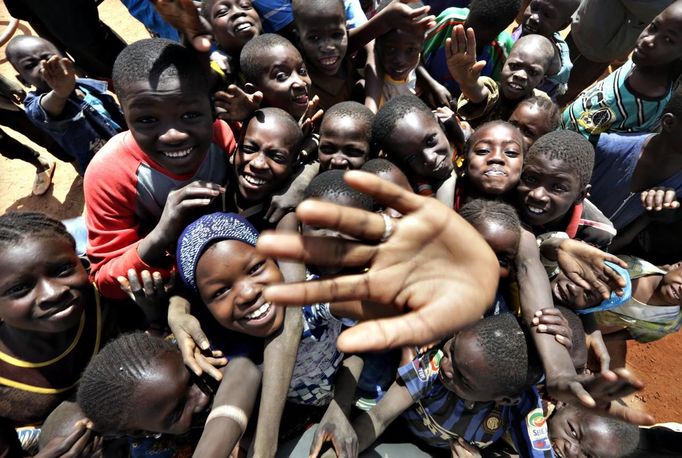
(63, 311)
(516, 87)
(259, 314)
(535, 210)
(177, 154)
(253, 181)
(329, 62)
(243, 27)
(557, 450)
(495, 171)
(301, 99)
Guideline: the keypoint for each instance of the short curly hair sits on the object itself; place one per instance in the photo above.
(331, 186)
(568, 146)
(252, 60)
(389, 115)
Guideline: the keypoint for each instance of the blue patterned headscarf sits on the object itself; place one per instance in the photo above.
(205, 231)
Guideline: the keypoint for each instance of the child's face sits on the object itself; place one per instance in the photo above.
(167, 398)
(231, 276)
(532, 122)
(398, 53)
(522, 72)
(28, 60)
(567, 293)
(43, 285)
(324, 39)
(285, 82)
(264, 157)
(495, 159)
(671, 285)
(343, 144)
(545, 17)
(234, 23)
(661, 42)
(420, 144)
(547, 190)
(462, 367)
(503, 241)
(575, 433)
(172, 122)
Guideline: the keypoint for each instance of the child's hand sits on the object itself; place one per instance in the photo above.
(584, 265)
(60, 74)
(657, 199)
(12, 90)
(597, 351)
(335, 428)
(552, 321)
(82, 441)
(184, 16)
(180, 204)
(400, 16)
(151, 292)
(236, 105)
(193, 343)
(420, 268)
(438, 95)
(444, 114)
(311, 117)
(460, 52)
(599, 392)
(462, 449)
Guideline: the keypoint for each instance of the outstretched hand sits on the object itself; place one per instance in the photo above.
(234, 104)
(60, 74)
(584, 265)
(601, 392)
(413, 20)
(460, 54)
(184, 16)
(434, 272)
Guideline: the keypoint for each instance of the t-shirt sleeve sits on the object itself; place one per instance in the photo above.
(223, 136)
(528, 427)
(276, 14)
(421, 373)
(469, 111)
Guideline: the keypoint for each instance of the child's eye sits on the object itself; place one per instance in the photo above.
(191, 115)
(481, 151)
(220, 13)
(256, 268)
(354, 152)
(279, 158)
(668, 40)
(17, 291)
(431, 141)
(338, 35)
(512, 153)
(558, 188)
(281, 76)
(313, 37)
(146, 120)
(65, 270)
(504, 263)
(248, 149)
(573, 433)
(529, 179)
(220, 292)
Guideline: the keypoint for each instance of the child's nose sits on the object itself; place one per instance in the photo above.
(539, 194)
(173, 136)
(50, 291)
(259, 161)
(247, 293)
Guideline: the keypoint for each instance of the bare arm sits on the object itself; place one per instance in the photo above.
(60, 75)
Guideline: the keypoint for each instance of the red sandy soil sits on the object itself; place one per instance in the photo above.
(658, 364)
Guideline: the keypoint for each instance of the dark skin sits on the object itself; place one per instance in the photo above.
(545, 17)
(531, 120)
(234, 22)
(344, 143)
(323, 40)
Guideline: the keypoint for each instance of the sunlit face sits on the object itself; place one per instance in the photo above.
(324, 39)
(167, 398)
(264, 157)
(546, 17)
(661, 42)
(548, 190)
(567, 293)
(344, 143)
(285, 82)
(234, 23)
(171, 122)
(398, 53)
(503, 241)
(523, 71)
(419, 143)
(577, 433)
(43, 285)
(532, 121)
(495, 159)
(670, 287)
(231, 276)
(29, 56)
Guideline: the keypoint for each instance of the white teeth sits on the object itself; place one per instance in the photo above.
(262, 310)
(535, 210)
(254, 181)
(515, 86)
(494, 173)
(328, 60)
(177, 154)
(242, 27)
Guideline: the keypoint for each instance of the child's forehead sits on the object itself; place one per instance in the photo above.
(497, 132)
(281, 55)
(330, 16)
(558, 167)
(530, 54)
(344, 121)
(399, 37)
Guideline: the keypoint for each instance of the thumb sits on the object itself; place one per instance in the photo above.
(478, 67)
(201, 43)
(197, 334)
(257, 97)
(316, 446)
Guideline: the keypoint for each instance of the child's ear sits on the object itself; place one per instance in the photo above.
(668, 122)
(584, 193)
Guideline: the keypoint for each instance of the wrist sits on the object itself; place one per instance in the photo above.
(475, 92)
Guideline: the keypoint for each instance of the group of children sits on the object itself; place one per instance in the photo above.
(469, 292)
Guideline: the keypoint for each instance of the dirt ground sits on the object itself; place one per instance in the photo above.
(658, 364)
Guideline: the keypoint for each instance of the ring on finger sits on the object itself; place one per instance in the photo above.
(389, 227)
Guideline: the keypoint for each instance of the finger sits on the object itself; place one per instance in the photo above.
(419, 327)
(277, 214)
(159, 286)
(471, 42)
(668, 197)
(318, 442)
(659, 195)
(209, 368)
(459, 37)
(323, 251)
(330, 290)
(148, 283)
(187, 350)
(384, 192)
(636, 417)
(78, 447)
(125, 285)
(647, 199)
(79, 430)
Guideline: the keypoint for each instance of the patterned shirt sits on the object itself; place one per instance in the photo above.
(439, 416)
(610, 105)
